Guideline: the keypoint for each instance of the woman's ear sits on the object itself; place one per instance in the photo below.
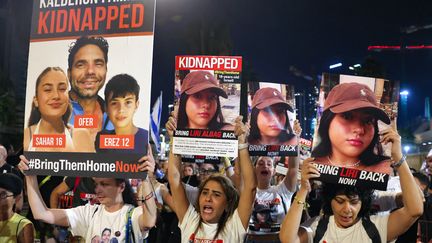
(35, 102)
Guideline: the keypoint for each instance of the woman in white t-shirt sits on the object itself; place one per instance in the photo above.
(219, 213)
(116, 213)
(346, 215)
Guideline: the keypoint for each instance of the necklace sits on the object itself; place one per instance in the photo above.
(356, 164)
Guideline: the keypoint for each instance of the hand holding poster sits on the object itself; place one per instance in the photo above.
(348, 150)
(208, 99)
(273, 129)
(76, 48)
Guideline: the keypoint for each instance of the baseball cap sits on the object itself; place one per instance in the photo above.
(351, 96)
(267, 96)
(198, 81)
(11, 182)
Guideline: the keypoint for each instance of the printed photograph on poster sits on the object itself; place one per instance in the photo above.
(207, 98)
(351, 112)
(84, 96)
(272, 119)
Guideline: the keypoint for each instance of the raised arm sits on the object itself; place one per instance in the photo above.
(148, 218)
(247, 194)
(290, 179)
(174, 178)
(401, 219)
(61, 189)
(290, 230)
(37, 205)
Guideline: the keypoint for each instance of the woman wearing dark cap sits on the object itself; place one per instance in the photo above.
(349, 130)
(13, 227)
(269, 119)
(199, 106)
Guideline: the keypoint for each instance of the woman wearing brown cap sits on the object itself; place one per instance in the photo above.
(199, 106)
(269, 119)
(349, 130)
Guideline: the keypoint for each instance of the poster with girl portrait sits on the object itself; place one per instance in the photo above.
(272, 120)
(207, 98)
(352, 113)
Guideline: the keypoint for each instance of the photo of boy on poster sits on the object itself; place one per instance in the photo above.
(122, 102)
(274, 130)
(349, 150)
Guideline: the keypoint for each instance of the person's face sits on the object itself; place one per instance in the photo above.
(88, 71)
(345, 210)
(261, 217)
(264, 169)
(52, 97)
(205, 171)
(106, 235)
(107, 190)
(212, 202)
(351, 133)
(429, 162)
(164, 166)
(6, 204)
(271, 121)
(187, 171)
(201, 108)
(121, 110)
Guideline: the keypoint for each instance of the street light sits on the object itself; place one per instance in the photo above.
(335, 65)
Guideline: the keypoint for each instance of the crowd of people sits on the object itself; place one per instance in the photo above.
(239, 200)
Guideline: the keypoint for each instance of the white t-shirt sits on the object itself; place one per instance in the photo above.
(191, 193)
(90, 221)
(269, 210)
(233, 232)
(353, 234)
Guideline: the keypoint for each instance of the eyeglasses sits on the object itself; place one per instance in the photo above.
(4, 195)
(207, 171)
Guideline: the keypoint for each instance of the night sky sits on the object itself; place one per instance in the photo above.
(310, 35)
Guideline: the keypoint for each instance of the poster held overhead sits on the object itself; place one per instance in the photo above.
(347, 144)
(207, 94)
(272, 119)
(89, 75)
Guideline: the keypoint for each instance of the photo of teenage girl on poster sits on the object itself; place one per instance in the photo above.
(269, 120)
(50, 114)
(199, 103)
(348, 130)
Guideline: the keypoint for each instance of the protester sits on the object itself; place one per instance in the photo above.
(116, 211)
(425, 220)
(50, 114)
(13, 227)
(219, 213)
(349, 130)
(199, 106)
(271, 201)
(346, 208)
(269, 119)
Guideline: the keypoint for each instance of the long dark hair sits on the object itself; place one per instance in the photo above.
(216, 123)
(128, 195)
(255, 134)
(35, 114)
(330, 191)
(368, 157)
(232, 197)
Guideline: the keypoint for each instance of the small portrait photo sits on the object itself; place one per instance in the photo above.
(204, 102)
(272, 114)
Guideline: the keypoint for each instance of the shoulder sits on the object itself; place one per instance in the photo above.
(227, 126)
(380, 167)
